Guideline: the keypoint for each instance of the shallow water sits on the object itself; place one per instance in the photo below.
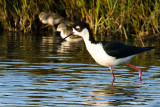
(41, 71)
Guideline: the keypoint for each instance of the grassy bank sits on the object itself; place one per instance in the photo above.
(124, 17)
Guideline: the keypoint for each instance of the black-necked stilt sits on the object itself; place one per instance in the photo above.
(64, 31)
(50, 18)
(107, 53)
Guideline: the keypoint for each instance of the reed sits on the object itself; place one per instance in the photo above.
(124, 17)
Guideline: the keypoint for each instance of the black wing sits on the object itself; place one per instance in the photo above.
(120, 50)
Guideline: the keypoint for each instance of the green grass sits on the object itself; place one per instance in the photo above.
(109, 17)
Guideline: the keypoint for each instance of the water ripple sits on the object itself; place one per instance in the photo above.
(38, 71)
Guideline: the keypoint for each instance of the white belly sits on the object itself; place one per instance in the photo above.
(102, 58)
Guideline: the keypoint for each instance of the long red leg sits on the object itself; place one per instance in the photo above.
(112, 73)
(138, 69)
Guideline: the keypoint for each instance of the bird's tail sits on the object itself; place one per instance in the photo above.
(148, 48)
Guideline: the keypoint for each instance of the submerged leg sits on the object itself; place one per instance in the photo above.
(138, 69)
(112, 73)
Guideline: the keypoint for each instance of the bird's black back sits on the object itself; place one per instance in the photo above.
(120, 50)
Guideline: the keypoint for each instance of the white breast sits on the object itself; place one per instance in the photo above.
(101, 57)
(98, 53)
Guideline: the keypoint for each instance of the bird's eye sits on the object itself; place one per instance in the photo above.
(77, 27)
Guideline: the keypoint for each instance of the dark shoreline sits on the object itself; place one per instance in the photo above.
(126, 18)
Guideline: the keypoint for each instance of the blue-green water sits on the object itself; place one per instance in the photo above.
(40, 71)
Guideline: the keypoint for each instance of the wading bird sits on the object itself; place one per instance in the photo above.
(107, 53)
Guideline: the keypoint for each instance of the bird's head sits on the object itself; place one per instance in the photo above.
(81, 29)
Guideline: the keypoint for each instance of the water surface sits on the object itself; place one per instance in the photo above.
(41, 71)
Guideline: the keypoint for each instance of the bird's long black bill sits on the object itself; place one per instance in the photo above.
(68, 36)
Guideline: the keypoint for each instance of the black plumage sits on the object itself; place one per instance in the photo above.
(120, 50)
